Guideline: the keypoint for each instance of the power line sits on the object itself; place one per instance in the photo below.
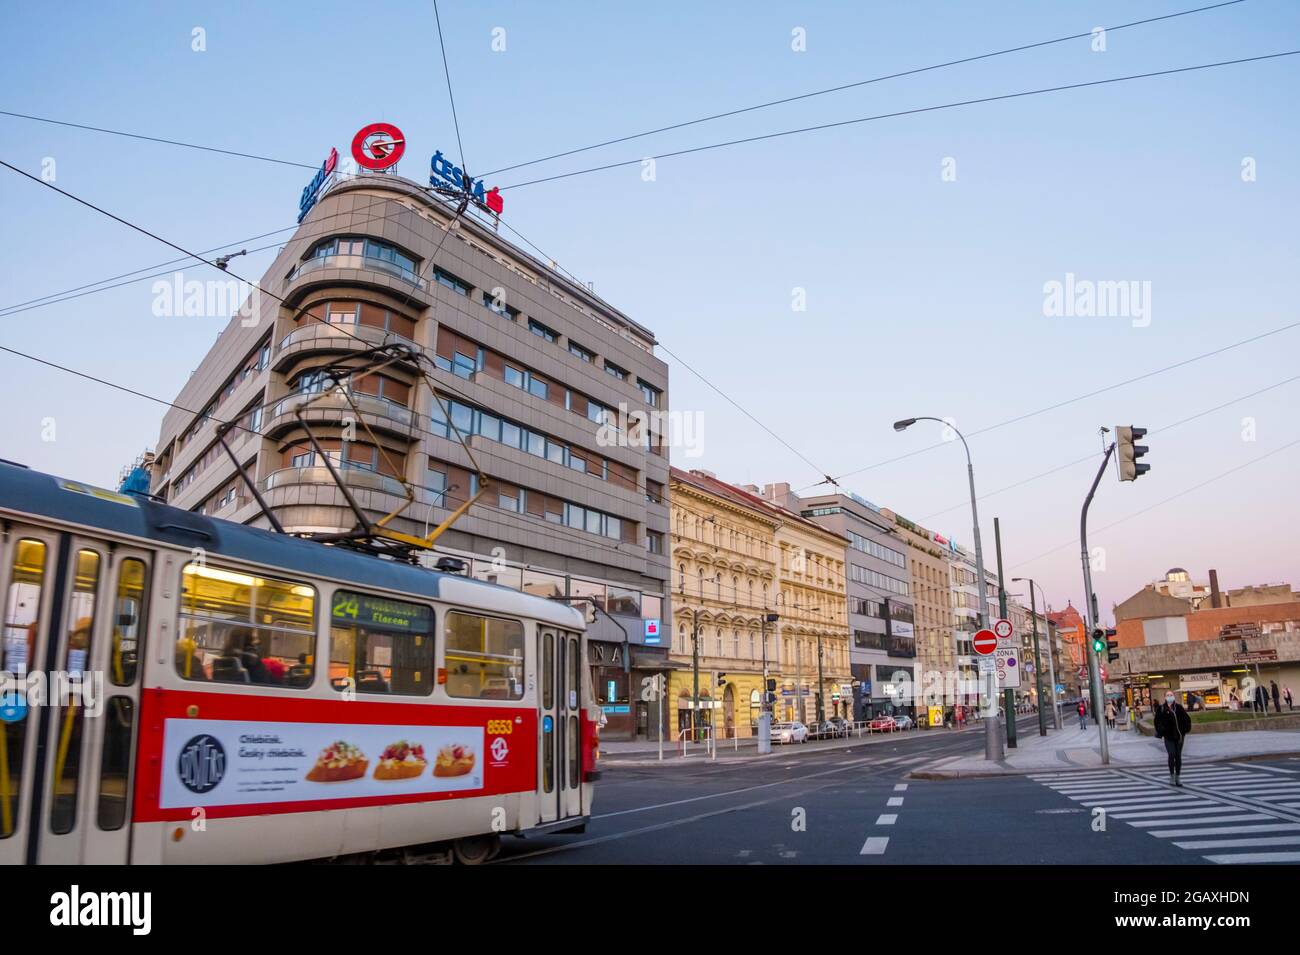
(156, 139)
(1069, 401)
(859, 83)
(1174, 497)
(1093, 456)
(450, 95)
(904, 112)
(693, 371)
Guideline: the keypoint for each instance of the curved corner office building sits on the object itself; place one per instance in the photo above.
(534, 366)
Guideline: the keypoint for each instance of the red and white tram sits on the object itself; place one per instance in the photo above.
(181, 689)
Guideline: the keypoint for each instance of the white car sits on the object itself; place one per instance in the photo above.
(903, 722)
(794, 732)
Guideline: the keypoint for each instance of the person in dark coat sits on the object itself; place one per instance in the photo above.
(1261, 699)
(1277, 696)
(1172, 725)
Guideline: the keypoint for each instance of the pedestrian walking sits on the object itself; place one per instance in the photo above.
(1172, 725)
(1286, 695)
(1233, 702)
(1083, 715)
(1261, 699)
(1110, 714)
(1277, 696)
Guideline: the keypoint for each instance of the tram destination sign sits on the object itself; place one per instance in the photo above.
(381, 613)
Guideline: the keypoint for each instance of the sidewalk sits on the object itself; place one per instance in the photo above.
(1073, 748)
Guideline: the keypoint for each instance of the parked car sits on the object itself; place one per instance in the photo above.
(885, 724)
(793, 732)
(840, 726)
(903, 722)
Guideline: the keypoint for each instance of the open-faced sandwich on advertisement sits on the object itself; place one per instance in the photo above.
(453, 760)
(338, 762)
(401, 760)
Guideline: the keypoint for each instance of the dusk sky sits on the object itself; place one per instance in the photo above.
(923, 246)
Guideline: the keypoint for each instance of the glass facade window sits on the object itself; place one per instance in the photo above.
(876, 549)
(615, 371)
(447, 280)
(541, 331)
(584, 354)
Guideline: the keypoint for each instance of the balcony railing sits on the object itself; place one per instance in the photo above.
(319, 475)
(356, 262)
(367, 404)
(342, 334)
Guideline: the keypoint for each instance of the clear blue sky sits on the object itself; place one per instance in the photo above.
(924, 296)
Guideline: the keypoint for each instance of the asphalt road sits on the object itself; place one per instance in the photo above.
(811, 805)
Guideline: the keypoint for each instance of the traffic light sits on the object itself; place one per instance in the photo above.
(1099, 641)
(771, 691)
(1111, 645)
(1130, 469)
(722, 679)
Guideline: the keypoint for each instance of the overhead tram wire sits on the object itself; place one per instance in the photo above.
(157, 139)
(1173, 497)
(446, 69)
(904, 112)
(735, 404)
(1163, 429)
(286, 162)
(855, 85)
(1069, 401)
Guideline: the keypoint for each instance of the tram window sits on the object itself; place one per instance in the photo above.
(242, 628)
(115, 764)
(548, 671)
(572, 751)
(380, 645)
(80, 627)
(22, 616)
(484, 657)
(125, 655)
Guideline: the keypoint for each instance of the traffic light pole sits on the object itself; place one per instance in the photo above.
(765, 711)
(1090, 608)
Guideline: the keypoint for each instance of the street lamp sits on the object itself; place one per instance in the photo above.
(1038, 665)
(992, 736)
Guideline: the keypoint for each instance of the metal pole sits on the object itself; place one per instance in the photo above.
(1090, 600)
(1009, 695)
(1051, 667)
(695, 666)
(798, 677)
(765, 711)
(663, 693)
(1038, 662)
(992, 738)
(821, 684)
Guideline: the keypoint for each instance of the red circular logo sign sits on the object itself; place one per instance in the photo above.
(378, 146)
(986, 641)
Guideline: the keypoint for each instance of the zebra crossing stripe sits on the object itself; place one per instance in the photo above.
(1254, 858)
(1240, 843)
(1265, 769)
(1235, 817)
(1177, 811)
(1226, 830)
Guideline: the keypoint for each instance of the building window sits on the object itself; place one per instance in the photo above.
(450, 281)
(584, 354)
(649, 392)
(617, 372)
(541, 331)
(654, 542)
(494, 304)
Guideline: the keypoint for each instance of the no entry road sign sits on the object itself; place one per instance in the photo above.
(986, 641)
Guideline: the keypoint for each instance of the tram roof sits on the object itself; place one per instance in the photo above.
(34, 492)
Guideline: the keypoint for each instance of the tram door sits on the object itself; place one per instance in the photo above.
(73, 612)
(559, 767)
